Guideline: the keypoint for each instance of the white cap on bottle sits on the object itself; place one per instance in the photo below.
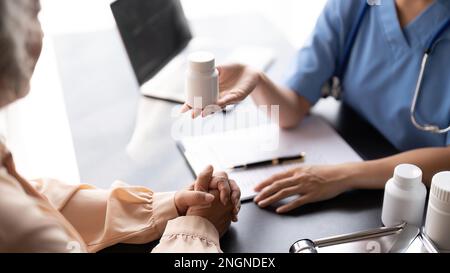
(407, 175)
(201, 61)
(440, 191)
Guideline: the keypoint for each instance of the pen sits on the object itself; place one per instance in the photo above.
(275, 161)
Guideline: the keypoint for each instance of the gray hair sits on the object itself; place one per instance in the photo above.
(16, 65)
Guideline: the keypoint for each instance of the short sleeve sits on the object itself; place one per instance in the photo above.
(448, 139)
(316, 61)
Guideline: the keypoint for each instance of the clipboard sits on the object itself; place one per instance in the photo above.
(314, 137)
(247, 192)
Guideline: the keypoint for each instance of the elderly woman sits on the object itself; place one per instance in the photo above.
(50, 216)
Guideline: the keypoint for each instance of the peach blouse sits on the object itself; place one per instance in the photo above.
(50, 216)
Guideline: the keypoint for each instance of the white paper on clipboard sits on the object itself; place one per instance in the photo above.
(314, 136)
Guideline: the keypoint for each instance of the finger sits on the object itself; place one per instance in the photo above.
(211, 109)
(221, 174)
(235, 193)
(220, 69)
(272, 179)
(284, 193)
(188, 199)
(185, 108)
(220, 182)
(276, 187)
(294, 204)
(237, 209)
(223, 67)
(217, 177)
(203, 179)
(228, 99)
(196, 112)
(207, 206)
(224, 188)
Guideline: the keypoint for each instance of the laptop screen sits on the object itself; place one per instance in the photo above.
(153, 31)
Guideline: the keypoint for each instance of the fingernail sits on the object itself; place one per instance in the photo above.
(209, 197)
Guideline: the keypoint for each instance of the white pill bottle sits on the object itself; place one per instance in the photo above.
(404, 197)
(437, 223)
(202, 80)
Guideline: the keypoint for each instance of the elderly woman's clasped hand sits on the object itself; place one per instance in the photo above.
(212, 196)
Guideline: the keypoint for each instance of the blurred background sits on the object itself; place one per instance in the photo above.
(294, 18)
(37, 129)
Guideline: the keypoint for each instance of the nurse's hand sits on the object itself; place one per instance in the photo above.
(236, 82)
(310, 184)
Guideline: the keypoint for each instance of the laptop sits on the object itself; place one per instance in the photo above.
(157, 38)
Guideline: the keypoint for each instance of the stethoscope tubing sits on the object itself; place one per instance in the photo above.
(430, 45)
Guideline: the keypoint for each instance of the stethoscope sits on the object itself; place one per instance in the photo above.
(333, 86)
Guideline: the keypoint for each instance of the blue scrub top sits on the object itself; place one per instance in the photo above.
(383, 68)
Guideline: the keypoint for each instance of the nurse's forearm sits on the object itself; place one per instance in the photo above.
(292, 107)
(374, 174)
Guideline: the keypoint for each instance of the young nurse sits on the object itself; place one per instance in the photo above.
(377, 49)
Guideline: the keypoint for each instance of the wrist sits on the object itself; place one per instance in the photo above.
(261, 83)
(180, 209)
(262, 79)
(164, 209)
(362, 175)
(348, 176)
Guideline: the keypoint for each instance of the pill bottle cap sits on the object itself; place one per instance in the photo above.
(201, 61)
(407, 175)
(440, 190)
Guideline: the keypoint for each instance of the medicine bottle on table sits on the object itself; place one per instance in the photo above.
(404, 197)
(202, 80)
(437, 223)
